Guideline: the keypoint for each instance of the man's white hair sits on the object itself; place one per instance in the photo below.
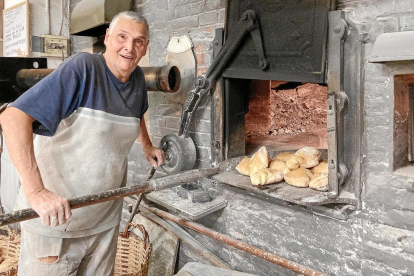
(130, 15)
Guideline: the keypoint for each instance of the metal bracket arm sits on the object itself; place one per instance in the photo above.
(247, 24)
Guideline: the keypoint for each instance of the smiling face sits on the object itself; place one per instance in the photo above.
(126, 44)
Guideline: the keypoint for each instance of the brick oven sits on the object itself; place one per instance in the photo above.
(305, 46)
(356, 108)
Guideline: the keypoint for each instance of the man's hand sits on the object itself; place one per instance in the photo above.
(155, 156)
(52, 209)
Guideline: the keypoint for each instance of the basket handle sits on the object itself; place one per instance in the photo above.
(11, 234)
(143, 231)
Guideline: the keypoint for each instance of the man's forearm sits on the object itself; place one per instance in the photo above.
(17, 126)
(154, 155)
(18, 132)
(143, 137)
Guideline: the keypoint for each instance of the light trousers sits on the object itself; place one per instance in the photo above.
(86, 256)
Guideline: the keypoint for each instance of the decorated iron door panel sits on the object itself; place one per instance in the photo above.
(294, 35)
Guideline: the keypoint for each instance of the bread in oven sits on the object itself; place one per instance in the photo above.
(310, 155)
(322, 168)
(266, 176)
(244, 166)
(299, 177)
(295, 162)
(319, 182)
(284, 156)
(259, 160)
(279, 165)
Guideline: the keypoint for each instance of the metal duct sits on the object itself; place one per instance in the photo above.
(165, 79)
(92, 18)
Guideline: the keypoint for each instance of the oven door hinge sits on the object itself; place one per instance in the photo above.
(337, 101)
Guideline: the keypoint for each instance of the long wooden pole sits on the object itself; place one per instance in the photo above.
(239, 244)
(149, 186)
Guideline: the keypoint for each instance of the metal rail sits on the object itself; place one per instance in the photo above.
(239, 244)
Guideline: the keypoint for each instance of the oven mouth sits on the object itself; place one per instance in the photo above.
(286, 116)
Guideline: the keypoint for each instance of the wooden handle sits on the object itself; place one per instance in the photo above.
(149, 186)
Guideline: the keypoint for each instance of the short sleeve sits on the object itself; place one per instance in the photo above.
(53, 98)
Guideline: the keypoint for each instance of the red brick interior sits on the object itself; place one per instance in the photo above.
(258, 119)
(286, 116)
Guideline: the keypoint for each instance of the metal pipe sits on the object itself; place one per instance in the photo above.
(149, 186)
(239, 244)
(165, 78)
(27, 78)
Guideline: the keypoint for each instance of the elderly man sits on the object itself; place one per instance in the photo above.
(87, 114)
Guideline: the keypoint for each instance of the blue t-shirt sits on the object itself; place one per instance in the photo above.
(88, 121)
(83, 80)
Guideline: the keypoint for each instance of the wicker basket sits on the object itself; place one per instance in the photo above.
(9, 253)
(133, 253)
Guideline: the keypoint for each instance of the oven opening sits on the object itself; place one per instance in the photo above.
(285, 116)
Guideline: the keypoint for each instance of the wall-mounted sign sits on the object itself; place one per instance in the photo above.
(12, 3)
(16, 31)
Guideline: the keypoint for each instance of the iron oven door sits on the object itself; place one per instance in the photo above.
(294, 34)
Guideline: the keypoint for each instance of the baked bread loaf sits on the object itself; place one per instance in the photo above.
(319, 182)
(279, 166)
(310, 155)
(299, 177)
(322, 168)
(244, 166)
(259, 160)
(284, 156)
(266, 176)
(295, 162)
